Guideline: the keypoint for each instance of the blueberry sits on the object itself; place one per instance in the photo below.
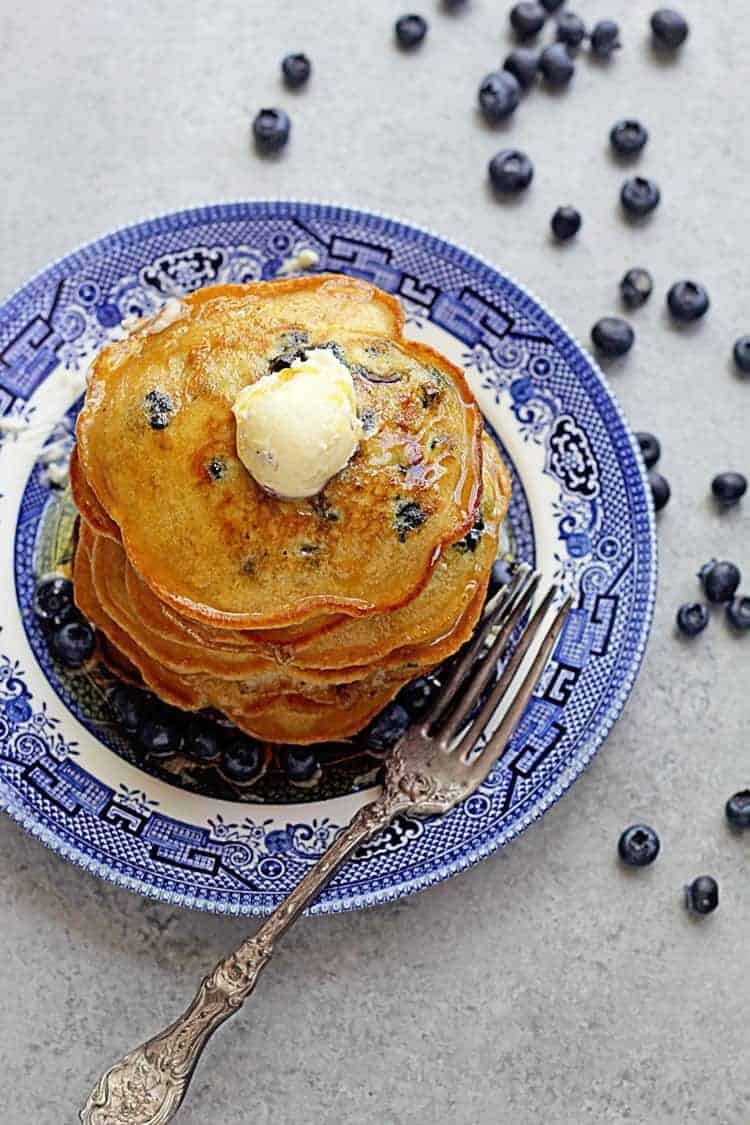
(296, 70)
(160, 732)
(452, 5)
(669, 28)
(417, 695)
(720, 580)
(523, 64)
(410, 30)
(128, 705)
(702, 896)
(728, 488)
(556, 65)
(636, 287)
(737, 809)
(741, 354)
(53, 600)
(738, 613)
(612, 336)
(571, 30)
(628, 137)
(650, 448)
(159, 409)
(271, 129)
(201, 741)
(605, 38)
(640, 196)
(73, 643)
(692, 619)
(511, 170)
(500, 575)
(242, 760)
(300, 763)
(660, 490)
(527, 19)
(387, 728)
(638, 845)
(565, 223)
(687, 301)
(499, 95)
(551, 5)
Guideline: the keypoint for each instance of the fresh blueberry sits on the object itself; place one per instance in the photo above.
(556, 65)
(650, 448)
(527, 19)
(640, 196)
(53, 600)
(387, 728)
(669, 28)
(720, 580)
(565, 223)
(636, 287)
(628, 137)
(737, 809)
(201, 741)
(73, 643)
(571, 30)
(271, 129)
(692, 618)
(728, 488)
(296, 70)
(501, 574)
(160, 732)
(128, 704)
(417, 695)
(510, 171)
(605, 38)
(499, 95)
(741, 354)
(738, 613)
(660, 490)
(687, 301)
(300, 763)
(410, 30)
(638, 845)
(242, 760)
(612, 336)
(523, 64)
(702, 896)
(551, 5)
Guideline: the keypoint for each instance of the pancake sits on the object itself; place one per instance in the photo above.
(223, 551)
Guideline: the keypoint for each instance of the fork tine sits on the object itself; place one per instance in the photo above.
(499, 739)
(496, 612)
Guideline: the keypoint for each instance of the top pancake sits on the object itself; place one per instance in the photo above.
(194, 523)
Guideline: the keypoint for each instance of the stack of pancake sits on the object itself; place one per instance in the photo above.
(298, 619)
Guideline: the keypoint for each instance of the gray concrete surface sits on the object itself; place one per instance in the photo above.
(544, 985)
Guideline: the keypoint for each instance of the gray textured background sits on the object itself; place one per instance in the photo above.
(545, 985)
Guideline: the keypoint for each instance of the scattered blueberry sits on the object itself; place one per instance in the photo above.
(738, 613)
(387, 728)
(669, 28)
(702, 896)
(511, 171)
(300, 763)
(242, 760)
(73, 643)
(640, 196)
(556, 65)
(499, 95)
(159, 409)
(500, 575)
(741, 354)
(565, 223)
(687, 301)
(417, 695)
(638, 846)
(53, 600)
(636, 287)
(571, 30)
(523, 64)
(410, 30)
(605, 38)
(160, 733)
(128, 705)
(296, 70)
(650, 448)
(692, 618)
(527, 18)
(720, 580)
(737, 809)
(271, 129)
(551, 5)
(660, 490)
(201, 741)
(612, 336)
(728, 488)
(628, 137)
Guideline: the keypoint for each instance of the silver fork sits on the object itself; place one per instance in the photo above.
(440, 760)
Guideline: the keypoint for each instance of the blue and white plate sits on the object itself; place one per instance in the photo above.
(581, 512)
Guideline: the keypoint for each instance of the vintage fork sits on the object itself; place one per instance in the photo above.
(435, 765)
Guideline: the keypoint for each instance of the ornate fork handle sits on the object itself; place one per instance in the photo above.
(147, 1086)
